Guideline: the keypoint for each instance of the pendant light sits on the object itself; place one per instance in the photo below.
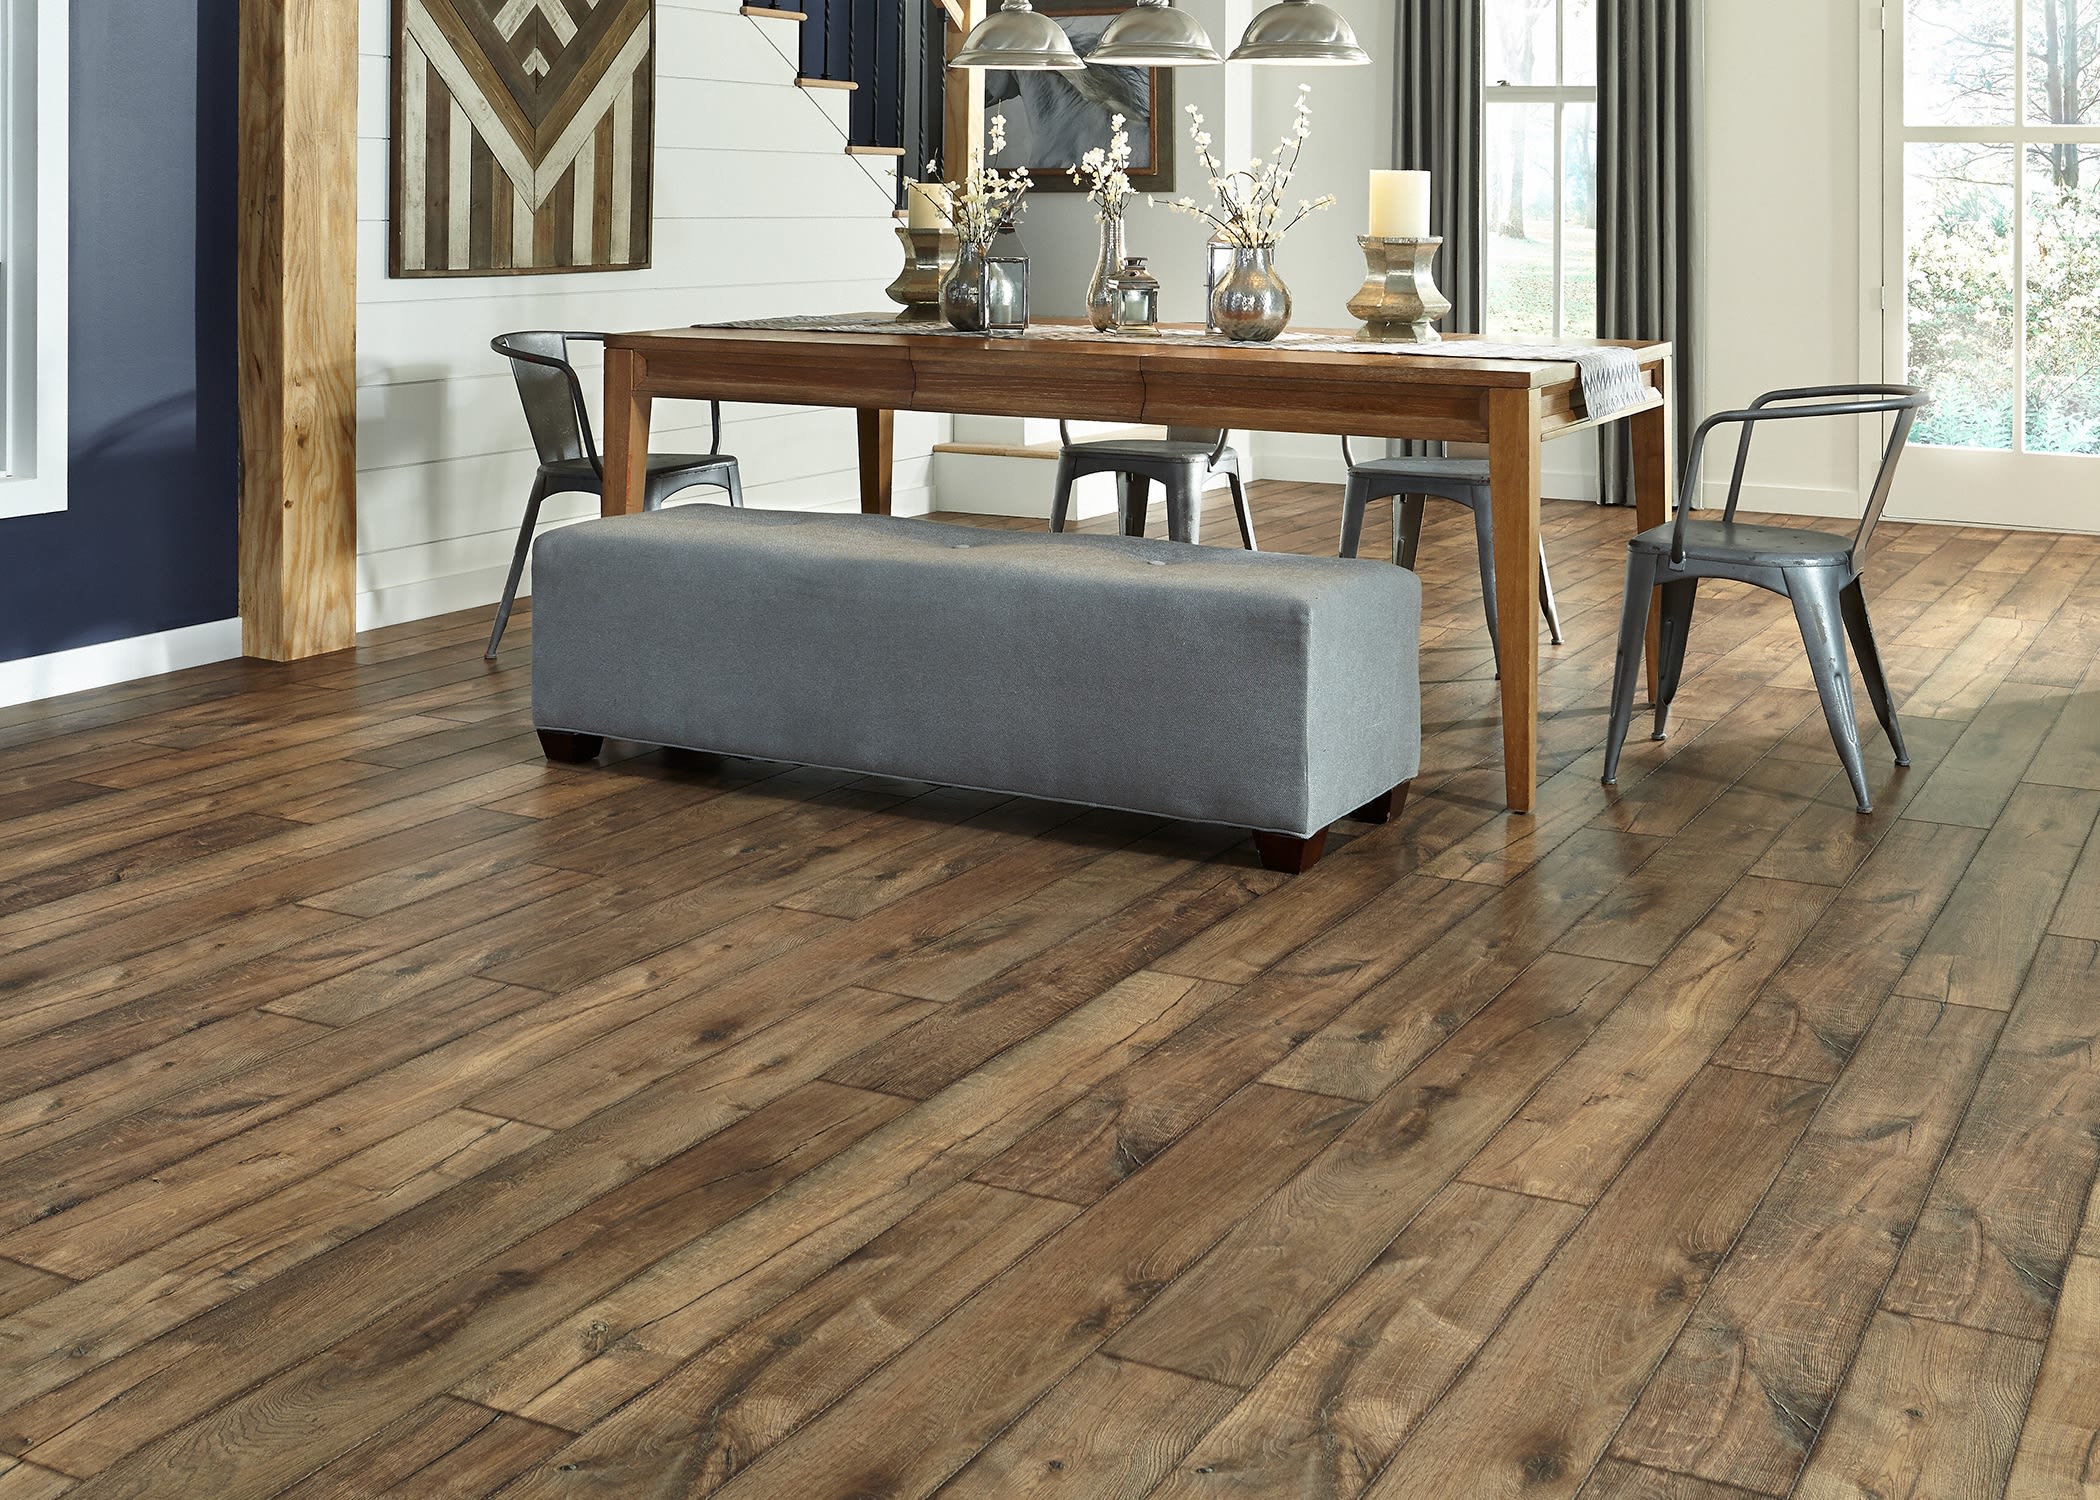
(1016, 37)
(1303, 32)
(1152, 34)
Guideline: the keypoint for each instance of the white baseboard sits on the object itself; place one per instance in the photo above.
(479, 588)
(1785, 499)
(76, 671)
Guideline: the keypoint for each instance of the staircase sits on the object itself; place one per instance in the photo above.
(889, 59)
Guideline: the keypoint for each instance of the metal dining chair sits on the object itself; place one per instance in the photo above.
(1184, 462)
(569, 462)
(1408, 481)
(1818, 570)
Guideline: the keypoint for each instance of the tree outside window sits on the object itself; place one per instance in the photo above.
(1540, 189)
(2001, 154)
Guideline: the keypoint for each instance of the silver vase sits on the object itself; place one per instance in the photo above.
(962, 294)
(1250, 303)
(1100, 294)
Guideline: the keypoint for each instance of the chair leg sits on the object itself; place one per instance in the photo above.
(1241, 510)
(1384, 807)
(517, 566)
(1133, 502)
(1061, 497)
(1484, 542)
(1679, 597)
(734, 483)
(1546, 602)
(1407, 530)
(1864, 650)
(1355, 497)
(1817, 609)
(1185, 505)
(1633, 646)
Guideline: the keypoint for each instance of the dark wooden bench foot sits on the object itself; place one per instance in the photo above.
(1384, 808)
(1293, 856)
(569, 748)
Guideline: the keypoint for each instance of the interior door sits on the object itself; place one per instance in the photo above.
(1991, 284)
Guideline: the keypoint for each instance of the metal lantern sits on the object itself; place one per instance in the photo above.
(1015, 37)
(1217, 262)
(1134, 298)
(1300, 31)
(1152, 34)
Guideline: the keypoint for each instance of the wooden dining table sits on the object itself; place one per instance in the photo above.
(1513, 406)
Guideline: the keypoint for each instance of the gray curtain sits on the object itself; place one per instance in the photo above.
(1649, 213)
(1436, 128)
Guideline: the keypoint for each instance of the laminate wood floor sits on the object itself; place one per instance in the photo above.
(386, 1112)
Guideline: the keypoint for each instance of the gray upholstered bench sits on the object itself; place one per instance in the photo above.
(1274, 692)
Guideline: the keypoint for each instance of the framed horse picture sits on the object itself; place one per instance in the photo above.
(1054, 118)
(523, 136)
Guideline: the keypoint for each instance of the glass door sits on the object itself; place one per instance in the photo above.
(1991, 289)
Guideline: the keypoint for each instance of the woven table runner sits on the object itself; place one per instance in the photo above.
(1611, 378)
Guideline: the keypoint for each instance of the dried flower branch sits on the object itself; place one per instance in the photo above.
(986, 197)
(1247, 202)
(1105, 174)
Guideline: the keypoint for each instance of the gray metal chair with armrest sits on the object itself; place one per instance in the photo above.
(1407, 481)
(1184, 462)
(569, 462)
(1818, 570)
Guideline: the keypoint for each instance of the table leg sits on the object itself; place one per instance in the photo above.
(626, 436)
(878, 459)
(1513, 470)
(1654, 474)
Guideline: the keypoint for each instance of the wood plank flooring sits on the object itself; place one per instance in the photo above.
(384, 1111)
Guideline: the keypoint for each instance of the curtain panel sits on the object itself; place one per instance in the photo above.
(1437, 82)
(1650, 255)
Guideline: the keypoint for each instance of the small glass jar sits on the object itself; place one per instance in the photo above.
(1134, 297)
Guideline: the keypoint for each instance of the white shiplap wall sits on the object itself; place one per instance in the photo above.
(759, 212)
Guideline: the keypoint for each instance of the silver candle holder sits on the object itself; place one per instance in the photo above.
(1399, 300)
(929, 255)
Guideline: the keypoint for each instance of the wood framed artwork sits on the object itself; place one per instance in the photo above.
(523, 136)
(1054, 118)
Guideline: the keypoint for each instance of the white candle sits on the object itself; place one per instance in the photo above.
(1400, 205)
(926, 205)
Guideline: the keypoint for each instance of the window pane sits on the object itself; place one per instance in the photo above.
(2063, 306)
(1957, 215)
(1579, 43)
(1958, 62)
(2063, 62)
(1579, 223)
(1519, 42)
(1520, 209)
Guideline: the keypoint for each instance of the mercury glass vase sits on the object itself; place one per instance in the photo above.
(962, 294)
(1250, 303)
(1100, 293)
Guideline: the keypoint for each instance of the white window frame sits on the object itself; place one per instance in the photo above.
(35, 102)
(1560, 96)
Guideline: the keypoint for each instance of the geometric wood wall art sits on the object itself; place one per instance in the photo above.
(523, 136)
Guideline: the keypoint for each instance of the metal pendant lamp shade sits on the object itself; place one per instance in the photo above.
(1152, 34)
(1015, 37)
(1303, 32)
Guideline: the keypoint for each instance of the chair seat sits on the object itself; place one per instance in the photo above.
(586, 477)
(1153, 449)
(1753, 546)
(1462, 470)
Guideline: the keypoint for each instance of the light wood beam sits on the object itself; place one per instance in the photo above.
(962, 126)
(298, 326)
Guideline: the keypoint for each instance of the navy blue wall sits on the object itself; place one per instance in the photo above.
(147, 541)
